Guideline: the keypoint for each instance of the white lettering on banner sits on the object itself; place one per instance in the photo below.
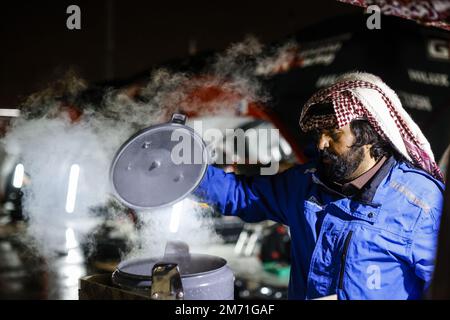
(439, 49)
(374, 20)
(326, 80)
(292, 54)
(322, 49)
(74, 20)
(415, 101)
(374, 279)
(324, 59)
(435, 79)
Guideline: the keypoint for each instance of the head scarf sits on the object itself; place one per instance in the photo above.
(359, 95)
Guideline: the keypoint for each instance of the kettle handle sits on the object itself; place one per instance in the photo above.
(178, 118)
(166, 282)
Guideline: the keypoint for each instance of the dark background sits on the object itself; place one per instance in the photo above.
(119, 39)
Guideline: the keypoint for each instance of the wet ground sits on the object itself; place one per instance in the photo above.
(24, 274)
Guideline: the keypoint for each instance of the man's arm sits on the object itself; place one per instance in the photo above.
(251, 198)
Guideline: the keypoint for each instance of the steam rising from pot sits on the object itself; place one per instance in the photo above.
(67, 160)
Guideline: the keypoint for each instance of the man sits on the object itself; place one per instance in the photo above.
(364, 217)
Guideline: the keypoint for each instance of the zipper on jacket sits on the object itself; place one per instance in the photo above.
(343, 259)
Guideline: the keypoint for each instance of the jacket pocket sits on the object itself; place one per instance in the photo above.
(348, 238)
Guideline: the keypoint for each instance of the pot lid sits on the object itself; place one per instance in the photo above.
(159, 165)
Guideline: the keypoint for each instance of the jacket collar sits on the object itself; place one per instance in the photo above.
(367, 192)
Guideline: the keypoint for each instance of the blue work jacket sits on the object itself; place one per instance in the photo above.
(383, 248)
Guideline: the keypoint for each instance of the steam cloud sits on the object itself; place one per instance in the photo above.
(49, 144)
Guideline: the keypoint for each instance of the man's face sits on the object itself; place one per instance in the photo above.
(338, 156)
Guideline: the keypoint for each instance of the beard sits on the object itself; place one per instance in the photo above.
(339, 168)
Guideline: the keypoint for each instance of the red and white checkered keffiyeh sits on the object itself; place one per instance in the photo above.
(360, 95)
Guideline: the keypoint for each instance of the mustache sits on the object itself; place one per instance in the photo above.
(328, 155)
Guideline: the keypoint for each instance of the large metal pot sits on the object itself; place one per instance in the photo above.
(145, 175)
(177, 275)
